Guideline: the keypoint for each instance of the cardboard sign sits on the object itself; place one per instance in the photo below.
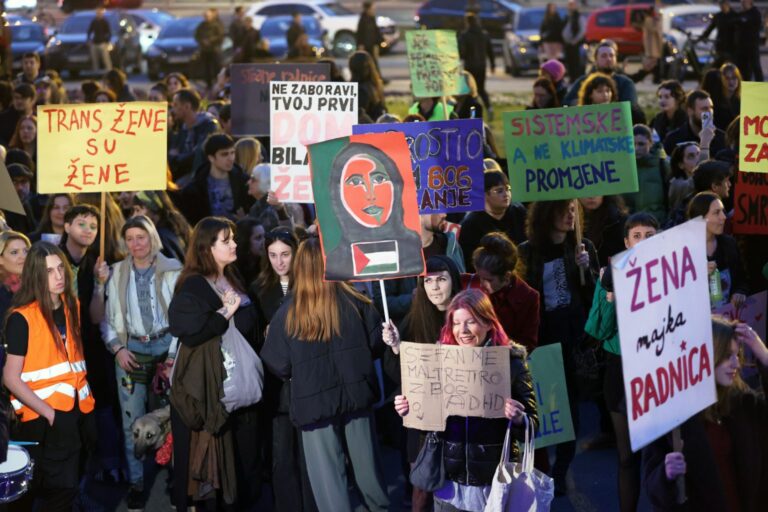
(753, 141)
(448, 380)
(366, 205)
(750, 204)
(555, 422)
(751, 313)
(662, 305)
(9, 199)
(102, 147)
(250, 91)
(447, 160)
(304, 113)
(565, 153)
(433, 59)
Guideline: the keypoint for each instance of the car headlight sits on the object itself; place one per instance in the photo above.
(534, 38)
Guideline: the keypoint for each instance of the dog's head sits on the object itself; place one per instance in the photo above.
(148, 434)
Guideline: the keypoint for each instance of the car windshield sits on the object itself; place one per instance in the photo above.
(335, 10)
(25, 33)
(691, 20)
(180, 28)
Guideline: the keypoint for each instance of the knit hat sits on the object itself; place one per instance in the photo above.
(555, 69)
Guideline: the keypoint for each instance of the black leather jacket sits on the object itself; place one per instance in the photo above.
(472, 446)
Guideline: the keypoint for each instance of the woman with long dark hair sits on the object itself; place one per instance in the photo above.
(324, 338)
(723, 254)
(52, 220)
(554, 258)
(46, 375)
(135, 330)
(209, 293)
(685, 157)
(604, 224)
(471, 445)
(598, 89)
(544, 94)
(672, 115)
(370, 86)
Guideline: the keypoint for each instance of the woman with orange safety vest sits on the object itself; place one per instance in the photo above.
(45, 373)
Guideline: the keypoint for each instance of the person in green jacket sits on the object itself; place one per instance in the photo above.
(603, 326)
(652, 176)
(433, 109)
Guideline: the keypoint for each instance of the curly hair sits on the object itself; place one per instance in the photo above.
(594, 81)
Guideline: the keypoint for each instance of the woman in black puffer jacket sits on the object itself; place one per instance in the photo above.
(472, 446)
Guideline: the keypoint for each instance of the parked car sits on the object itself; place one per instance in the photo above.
(79, 5)
(522, 40)
(495, 15)
(619, 23)
(337, 20)
(68, 49)
(150, 22)
(26, 36)
(175, 49)
(274, 30)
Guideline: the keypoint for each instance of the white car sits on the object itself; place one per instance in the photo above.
(694, 19)
(337, 20)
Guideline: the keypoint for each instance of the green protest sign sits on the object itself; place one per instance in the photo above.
(555, 424)
(565, 153)
(433, 59)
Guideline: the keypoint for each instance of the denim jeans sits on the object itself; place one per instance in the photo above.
(133, 400)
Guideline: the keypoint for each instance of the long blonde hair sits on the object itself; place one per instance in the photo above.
(314, 313)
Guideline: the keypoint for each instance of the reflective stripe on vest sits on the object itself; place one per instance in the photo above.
(63, 388)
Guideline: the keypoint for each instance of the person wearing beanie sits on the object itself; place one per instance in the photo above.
(555, 70)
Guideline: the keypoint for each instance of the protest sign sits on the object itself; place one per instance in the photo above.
(250, 91)
(555, 423)
(102, 147)
(750, 204)
(662, 305)
(448, 380)
(433, 59)
(303, 113)
(366, 206)
(447, 160)
(753, 141)
(752, 312)
(9, 199)
(564, 153)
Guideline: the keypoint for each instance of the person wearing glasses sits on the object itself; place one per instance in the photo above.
(500, 214)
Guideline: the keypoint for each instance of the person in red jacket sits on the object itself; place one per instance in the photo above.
(514, 301)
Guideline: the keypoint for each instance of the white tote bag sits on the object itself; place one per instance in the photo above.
(519, 487)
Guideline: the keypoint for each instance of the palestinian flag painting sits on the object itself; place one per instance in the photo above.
(375, 257)
(365, 198)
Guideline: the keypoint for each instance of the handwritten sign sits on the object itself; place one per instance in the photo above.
(662, 305)
(102, 147)
(750, 205)
(303, 113)
(555, 422)
(444, 380)
(250, 91)
(447, 160)
(753, 142)
(433, 59)
(752, 312)
(564, 153)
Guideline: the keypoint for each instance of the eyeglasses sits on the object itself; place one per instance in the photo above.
(500, 191)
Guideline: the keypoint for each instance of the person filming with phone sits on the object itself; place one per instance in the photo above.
(699, 128)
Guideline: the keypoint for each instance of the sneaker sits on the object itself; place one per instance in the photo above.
(135, 500)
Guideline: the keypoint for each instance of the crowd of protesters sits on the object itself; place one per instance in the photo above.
(90, 339)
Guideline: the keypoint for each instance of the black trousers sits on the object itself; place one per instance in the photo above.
(57, 458)
(211, 64)
(748, 61)
(290, 482)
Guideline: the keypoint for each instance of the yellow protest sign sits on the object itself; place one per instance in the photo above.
(753, 140)
(102, 147)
